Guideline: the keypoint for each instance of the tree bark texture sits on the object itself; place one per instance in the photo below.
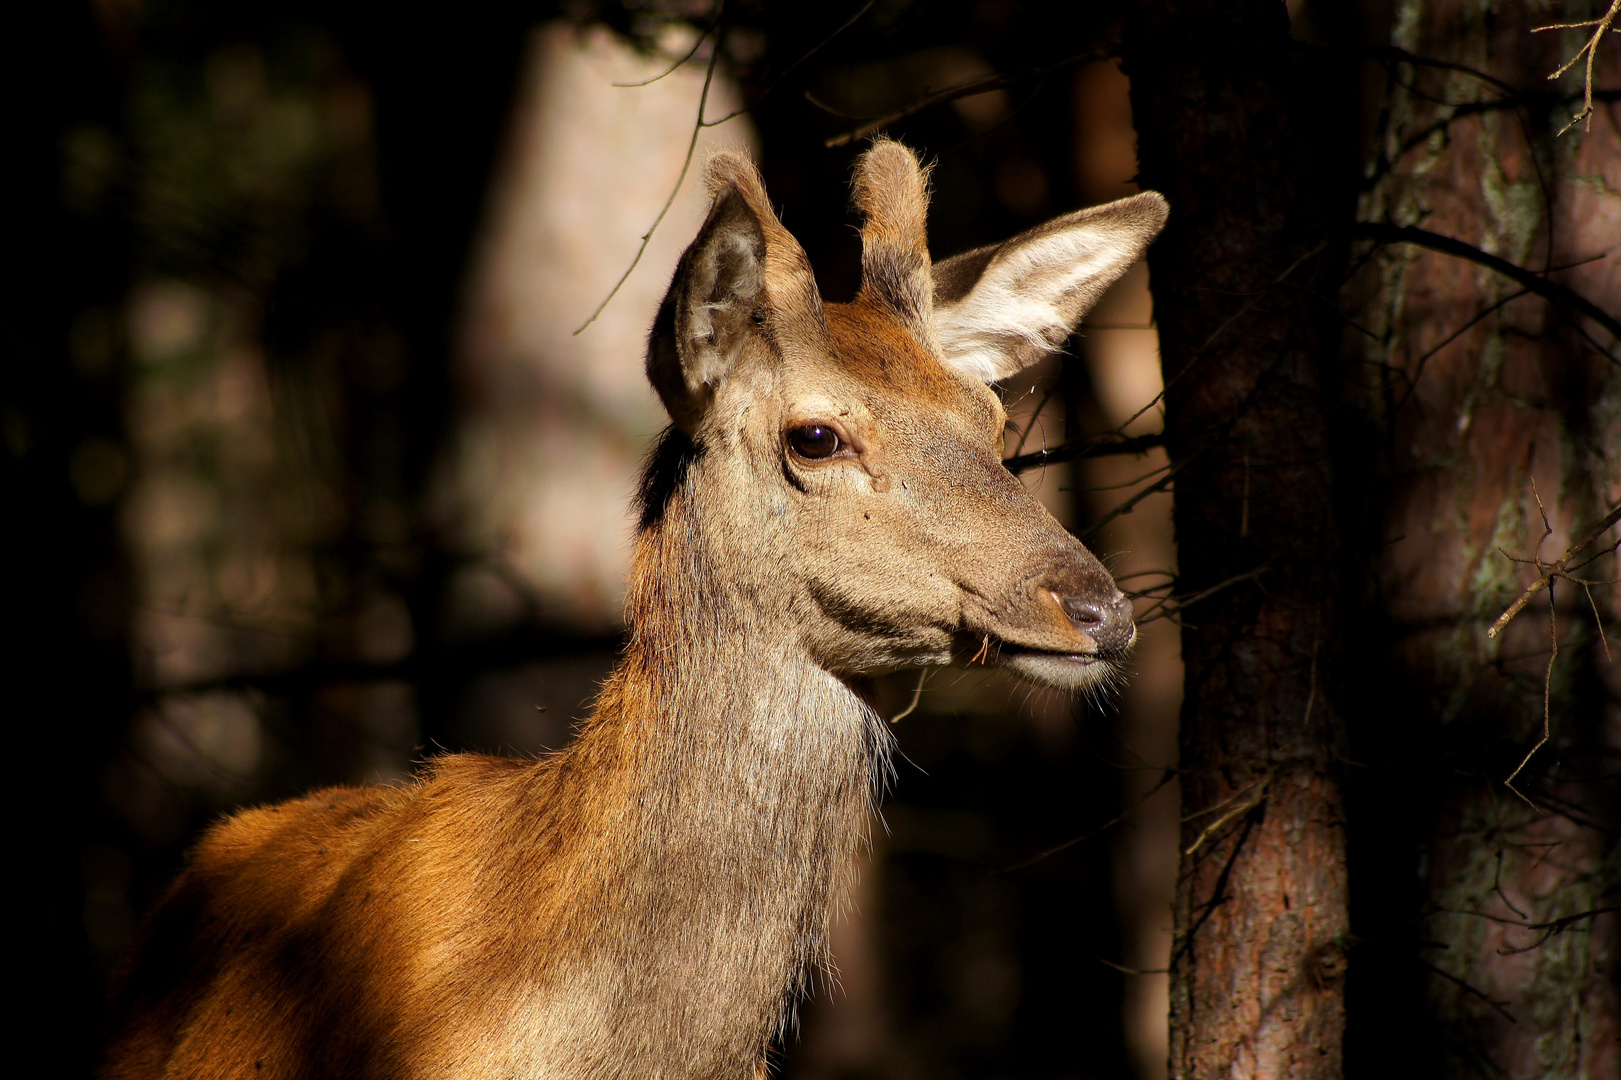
(1476, 906)
(1261, 920)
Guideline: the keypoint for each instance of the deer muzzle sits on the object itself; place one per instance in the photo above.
(1103, 619)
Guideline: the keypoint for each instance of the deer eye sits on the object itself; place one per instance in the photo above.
(813, 441)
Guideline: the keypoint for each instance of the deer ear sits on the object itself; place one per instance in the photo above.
(892, 193)
(744, 276)
(710, 310)
(1001, 308)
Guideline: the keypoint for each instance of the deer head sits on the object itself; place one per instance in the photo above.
(844, 461)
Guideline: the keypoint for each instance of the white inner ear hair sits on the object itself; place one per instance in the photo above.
(1030, 298)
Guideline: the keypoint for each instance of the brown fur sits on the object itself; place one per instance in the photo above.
(650, 901)
(892, 194)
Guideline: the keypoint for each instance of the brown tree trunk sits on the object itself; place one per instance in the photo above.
(1500, 961)
(1256, 972)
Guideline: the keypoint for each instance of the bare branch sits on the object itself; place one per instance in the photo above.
(1233, 318)
(1165, 778)
(673, 68)
(1557, 926)
(1602, 638)
(1172, 606)
(1117, 442)
(1383, 233)
(1482, 995)
(1131, 504)
(1590, 50)
(686, 164)
(1089, 447)
(521, 644)
(1035, 416)
(1124, 970)
(971, 88)
(1218, 894)
(1547, 701)
(1418, 368)
(804, 56)
(1552, 570)
(1253, 797)
(1402, 56)
(1133, 482)
(1547, 574)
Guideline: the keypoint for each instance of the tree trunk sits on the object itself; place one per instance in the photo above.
(1462, 883)
(1257, 968)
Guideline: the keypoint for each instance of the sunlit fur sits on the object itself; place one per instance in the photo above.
(650, 901)
(1003, 307)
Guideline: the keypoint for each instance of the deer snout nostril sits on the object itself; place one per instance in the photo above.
(1083, 613)
(1107, 622)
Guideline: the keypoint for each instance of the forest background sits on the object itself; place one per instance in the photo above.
(313, 478)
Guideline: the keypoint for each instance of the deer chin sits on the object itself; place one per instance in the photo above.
(1060, 668)
(1062, 671)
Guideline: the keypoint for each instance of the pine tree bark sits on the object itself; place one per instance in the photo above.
(1261, 920)
(1489, 948)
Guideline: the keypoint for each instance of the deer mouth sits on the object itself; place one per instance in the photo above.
(1062, 670)
(1065, 669)
(1012, 651)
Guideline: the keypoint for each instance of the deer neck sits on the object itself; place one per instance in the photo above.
(739, 778)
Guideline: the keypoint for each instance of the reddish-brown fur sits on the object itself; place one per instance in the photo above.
(650, 901)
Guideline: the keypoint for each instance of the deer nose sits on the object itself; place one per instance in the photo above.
(1107, 622)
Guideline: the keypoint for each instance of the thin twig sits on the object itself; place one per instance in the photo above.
(1233, 318)
(1603, 639)
(1449, 977)
(512, 647)
(1133, 482)
(1123, 969)
(971, 88)
(1244, 505)
(1311, 694)
(1392, 52)
(1547, 701)
(1557, 926)
(1141, 444)
(1497, 886)
(1418, 368)
(1131, 504)
(1591, 50)
(1255, 795)
(686, 164)
(1166, 778)
(1553, 637)
(1145, 573)
(1218, 895)
(1089, 447)
(1031, 426)
(1184, 602)
(673, 68)
(804, 56)
(1385, 233)
(1552, 570)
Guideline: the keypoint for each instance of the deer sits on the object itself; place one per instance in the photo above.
(829, 504)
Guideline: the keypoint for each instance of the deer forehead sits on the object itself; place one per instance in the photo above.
(867, 374)
(899, 380)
